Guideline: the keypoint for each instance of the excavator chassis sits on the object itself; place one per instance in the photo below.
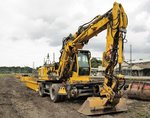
(73, 90)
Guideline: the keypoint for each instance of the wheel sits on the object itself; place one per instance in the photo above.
(54, 93)
(41, 90)
(63, 98)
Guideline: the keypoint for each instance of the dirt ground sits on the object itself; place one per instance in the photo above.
(17, 101)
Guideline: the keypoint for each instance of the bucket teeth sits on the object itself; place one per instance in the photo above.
(96, 106)
(139, 90)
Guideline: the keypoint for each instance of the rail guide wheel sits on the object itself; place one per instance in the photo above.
(41, 90)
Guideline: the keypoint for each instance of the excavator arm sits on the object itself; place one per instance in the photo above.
(115, 22)
(110, 100)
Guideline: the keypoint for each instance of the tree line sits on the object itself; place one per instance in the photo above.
(8, 70)
(95, 62)
(18, 69)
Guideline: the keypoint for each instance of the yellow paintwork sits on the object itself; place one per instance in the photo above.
(100, 24)
(75, 75)
(32, 84)
(97, 106)
(106, 90)
(62, 91)
(79, 79)
(117, 26)
(24, 78)
(18, 76)
(42, 73)
(120, 76)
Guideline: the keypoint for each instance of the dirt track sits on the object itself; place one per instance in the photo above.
(17, 101)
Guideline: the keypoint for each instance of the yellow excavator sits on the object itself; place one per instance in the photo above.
(70, 77)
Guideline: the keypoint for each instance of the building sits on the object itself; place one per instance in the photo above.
(134, 69)
(143, 68)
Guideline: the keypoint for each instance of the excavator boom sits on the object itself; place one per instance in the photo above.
(110, 100)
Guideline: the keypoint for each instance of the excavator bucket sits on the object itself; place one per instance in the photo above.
(139, 90)
(96, 106)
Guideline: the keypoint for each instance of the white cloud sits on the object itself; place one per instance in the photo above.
(29, 29)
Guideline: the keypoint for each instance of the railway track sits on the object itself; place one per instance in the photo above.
(129, 79)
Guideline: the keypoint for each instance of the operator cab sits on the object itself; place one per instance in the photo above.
(82, 63)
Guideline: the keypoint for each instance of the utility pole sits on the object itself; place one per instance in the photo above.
(44, 62)
(48, 59)
(33, 65)
(131, 59)
(33, 72)
(53, 57)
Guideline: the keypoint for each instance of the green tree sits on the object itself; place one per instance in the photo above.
(17, 69)
(95, 62)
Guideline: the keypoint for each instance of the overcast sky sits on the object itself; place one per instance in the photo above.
(29, 29)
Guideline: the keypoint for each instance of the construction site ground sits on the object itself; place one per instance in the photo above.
(17, 101)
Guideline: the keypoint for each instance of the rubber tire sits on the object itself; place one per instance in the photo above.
(54, 93)
(63, 98)
(41, 90)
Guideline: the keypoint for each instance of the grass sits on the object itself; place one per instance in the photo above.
(7, 75)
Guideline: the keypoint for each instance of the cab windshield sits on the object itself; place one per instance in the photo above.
(83, 61)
